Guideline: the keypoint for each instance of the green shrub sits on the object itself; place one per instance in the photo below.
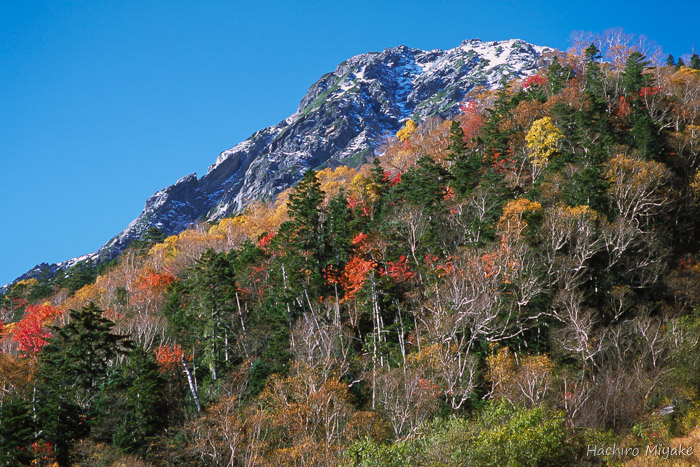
(500, 435)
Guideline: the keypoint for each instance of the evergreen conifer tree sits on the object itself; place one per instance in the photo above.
(302, 237)
(77, 276)
(633, 78)
(379, 189)
(644, 133)
(214, 290)
(593, 74)
(303, 232)
(73, 367)
(337, 231)
(16, 432)
(466, 164)
(304, 210)
(557, 76)
(144, 409)
(496, 140)
(695, 62)
(425, 185)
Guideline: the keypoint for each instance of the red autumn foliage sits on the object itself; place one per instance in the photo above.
(471, 120)
(685, 263)
(428, 385)
(399, 270)
(623, 108)
(440, 269)
(488, 261)
(354, 203)
(359, 238)
(257, 269)
(258, 277)
(151, 285)
(534, 80)
(444, 269)
(396, 179)
(265, 240)
(448, 193)
(500, 162)
(43, 453)
(649, 91)
(30, 333)
(500, 165)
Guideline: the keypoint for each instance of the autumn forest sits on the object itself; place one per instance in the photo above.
(508, 287)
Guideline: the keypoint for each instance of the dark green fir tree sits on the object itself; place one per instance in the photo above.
(74, 366)
(16, 432)
(695, 62)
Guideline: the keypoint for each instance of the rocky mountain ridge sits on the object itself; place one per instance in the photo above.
(342, 120)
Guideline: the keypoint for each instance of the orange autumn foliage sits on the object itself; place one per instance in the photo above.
(154, 282)
(168, 357)
(355, 275)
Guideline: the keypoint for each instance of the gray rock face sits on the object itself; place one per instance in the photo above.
(342, 119)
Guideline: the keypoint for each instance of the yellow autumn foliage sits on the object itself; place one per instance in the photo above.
(684, 75)
(90, 293)
(167, 248)
(577, 212)
(332, 180)
(431, 139)
(428, 357)
(408, 129)
(26, 283)
(500, 366)
(525, 380)
(637, 187)
(695, 186)
(8, 329)
(363, 188)
(542, 140)
(623, 168)
(511, 220)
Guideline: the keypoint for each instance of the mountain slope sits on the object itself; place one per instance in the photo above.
(342, 119)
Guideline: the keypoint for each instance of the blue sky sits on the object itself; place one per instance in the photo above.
(102, 103)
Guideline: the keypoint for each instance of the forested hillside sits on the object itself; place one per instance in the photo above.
(509, 287)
